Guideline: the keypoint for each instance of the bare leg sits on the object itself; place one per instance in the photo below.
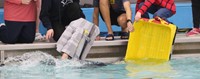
(96, 19)
(104, 8)
(122, 22)
(65, 56)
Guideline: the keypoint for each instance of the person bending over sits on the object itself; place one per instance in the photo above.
(56, 14)
(114, 12)
(159, 8)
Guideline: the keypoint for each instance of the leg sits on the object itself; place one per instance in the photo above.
(196, 18)
(96, 19)
(104, 8)
(27, 34)
(196, 13)
(163, 13)
(9, 33)
(123, 23)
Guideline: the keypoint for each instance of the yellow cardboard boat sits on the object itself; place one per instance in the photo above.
(151, 39)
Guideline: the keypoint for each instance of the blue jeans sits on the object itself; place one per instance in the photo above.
(156, 10)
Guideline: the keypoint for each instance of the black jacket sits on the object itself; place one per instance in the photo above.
(52, 11)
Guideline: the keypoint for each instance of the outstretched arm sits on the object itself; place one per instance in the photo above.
(127, 7)
(44, 17)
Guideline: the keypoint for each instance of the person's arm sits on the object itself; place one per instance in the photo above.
(143, 9)
(38, 3)
(96, 16)
(44, 17)
(44, 14)
(127, 7)
(145, 6)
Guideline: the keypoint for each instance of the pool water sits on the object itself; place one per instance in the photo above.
(39, 65)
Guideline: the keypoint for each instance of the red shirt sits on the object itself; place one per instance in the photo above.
(169, 4)
(14, 10)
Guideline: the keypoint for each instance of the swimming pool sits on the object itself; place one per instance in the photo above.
(39, 65)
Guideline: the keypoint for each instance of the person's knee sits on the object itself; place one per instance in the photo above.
(163, 13)
(121, 20)
(157, 14)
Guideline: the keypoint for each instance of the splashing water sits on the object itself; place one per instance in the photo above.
(37, 58)
(40, 65)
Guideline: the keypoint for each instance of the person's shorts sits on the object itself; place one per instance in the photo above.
(113, 16)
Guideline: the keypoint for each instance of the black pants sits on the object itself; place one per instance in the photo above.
(17, 32)
(70, 12)
(113, 16)
(196, 13)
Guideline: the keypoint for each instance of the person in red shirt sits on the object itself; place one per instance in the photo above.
(20, 21)
(161, 8)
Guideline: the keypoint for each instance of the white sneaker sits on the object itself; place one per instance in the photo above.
(2, 24)
(39, 37)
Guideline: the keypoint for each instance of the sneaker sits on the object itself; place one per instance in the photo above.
(2, 24)
(193, 32)
(39, 37)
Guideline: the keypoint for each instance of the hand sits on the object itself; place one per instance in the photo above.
(137, 16)
(130, 27)
(49, 34)
(26, 2)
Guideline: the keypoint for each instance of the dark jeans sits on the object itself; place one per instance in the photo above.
(17, 32)
(156, 10)
(196, 13)
(71, 12)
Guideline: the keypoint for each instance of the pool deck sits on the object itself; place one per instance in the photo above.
(101, 49)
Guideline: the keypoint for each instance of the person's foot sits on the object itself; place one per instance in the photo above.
(98, 38)
(193, 32)
(124, 35)
(65, 56)
(109, 37)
